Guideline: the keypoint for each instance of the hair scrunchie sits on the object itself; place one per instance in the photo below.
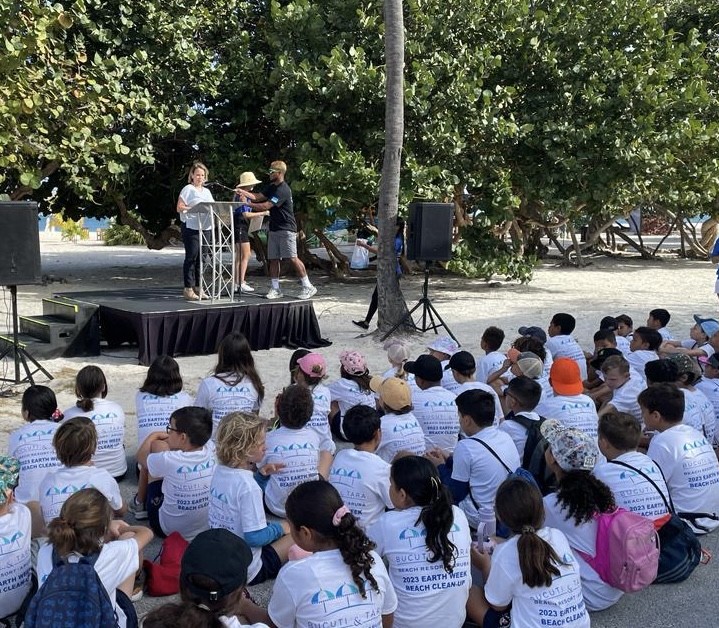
(339, 513)
(528, 530)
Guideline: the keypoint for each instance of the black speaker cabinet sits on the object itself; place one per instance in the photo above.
(20, 244)
(429, 232)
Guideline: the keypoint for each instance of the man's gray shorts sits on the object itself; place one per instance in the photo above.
(282, 245)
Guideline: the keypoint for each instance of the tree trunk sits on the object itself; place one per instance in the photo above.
(154, 242)
(392, 306)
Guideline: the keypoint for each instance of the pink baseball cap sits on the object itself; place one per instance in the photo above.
(313, 364)
(353, 362)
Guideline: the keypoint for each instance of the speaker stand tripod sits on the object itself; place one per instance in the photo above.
(429, 313)
(15, 350)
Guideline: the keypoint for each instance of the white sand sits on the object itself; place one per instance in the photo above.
(609, 286)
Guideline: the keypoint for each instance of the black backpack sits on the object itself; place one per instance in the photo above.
(533, 457)
(73, 596)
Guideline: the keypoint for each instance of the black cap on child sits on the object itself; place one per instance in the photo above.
(220, 555)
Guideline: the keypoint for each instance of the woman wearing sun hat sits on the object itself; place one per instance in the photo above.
(243, 213)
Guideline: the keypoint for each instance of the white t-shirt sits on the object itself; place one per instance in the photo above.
(559, 604)
(362, 479)
(299, 451)
(15, 558)
(637, 359)
(221, 397)
(624, 398)
(691, 470)
(319, 591)
(699, 413)
(427, 595)
(631, 490)
(448, 382)
(665, 333)
(234, 622)
(498, 412)
(186, 477)
(489, 364)
(568, 347)
(475, 464)
(191, 196)
(319, 421)
(692, 344)
(517, 432)
(58, 485)
(109, 420)
(436, 412)
(348, 394)
(710, 388)
(118, 560)
(576, 411)
(153, 411)
(622, 344)
(598, 595)
(31, 444)
(236, 505)
(400, 432)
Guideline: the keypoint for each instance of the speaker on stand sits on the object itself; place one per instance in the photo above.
(19, 265)
(429, 239)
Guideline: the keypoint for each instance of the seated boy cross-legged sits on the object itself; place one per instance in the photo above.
(176, 468)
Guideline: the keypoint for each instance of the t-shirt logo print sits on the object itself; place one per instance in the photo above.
(10, 544)
(200, 470)
(348, 595)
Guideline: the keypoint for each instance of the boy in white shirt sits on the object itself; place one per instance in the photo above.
(481, 462)
(462, 366)
(75, 442)
(569, 405)
(625, 326)
(401, 431)
(697, 345)
(643, 347)
(15, 536)
(658, 319)
(609, 323)
(562, 344)
(433, 405)
(176, 468)
(491, 341)
(684, 455)
(624, 388)
(619, 436)
(521, 397)
(294, 448)
(360, 476)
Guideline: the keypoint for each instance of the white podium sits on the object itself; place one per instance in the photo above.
(217, 249)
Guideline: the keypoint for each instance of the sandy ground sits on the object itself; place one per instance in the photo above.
(609, 286)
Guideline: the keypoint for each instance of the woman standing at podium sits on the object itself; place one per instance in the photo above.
(194, 192)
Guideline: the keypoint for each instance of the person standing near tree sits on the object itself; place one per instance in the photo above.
(282, 239)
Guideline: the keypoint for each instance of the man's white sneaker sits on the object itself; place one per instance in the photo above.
(274, 294)
(307, 292)
(245, 287)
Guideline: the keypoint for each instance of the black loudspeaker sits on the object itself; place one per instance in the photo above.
(429, 233)
(20, 249)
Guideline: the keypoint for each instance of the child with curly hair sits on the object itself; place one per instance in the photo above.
(343, 579)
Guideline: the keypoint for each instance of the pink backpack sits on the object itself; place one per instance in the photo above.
(627, 550)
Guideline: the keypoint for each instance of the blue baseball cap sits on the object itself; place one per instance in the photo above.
(710, 326)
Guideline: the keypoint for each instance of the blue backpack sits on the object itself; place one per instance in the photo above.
(72, 597)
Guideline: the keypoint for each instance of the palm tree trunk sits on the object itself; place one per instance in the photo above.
(392, 306)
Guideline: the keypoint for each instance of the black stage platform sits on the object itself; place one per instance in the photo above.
(159, 321)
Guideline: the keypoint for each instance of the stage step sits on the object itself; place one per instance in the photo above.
(52, 329)
(66, 328)
(38, 349)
